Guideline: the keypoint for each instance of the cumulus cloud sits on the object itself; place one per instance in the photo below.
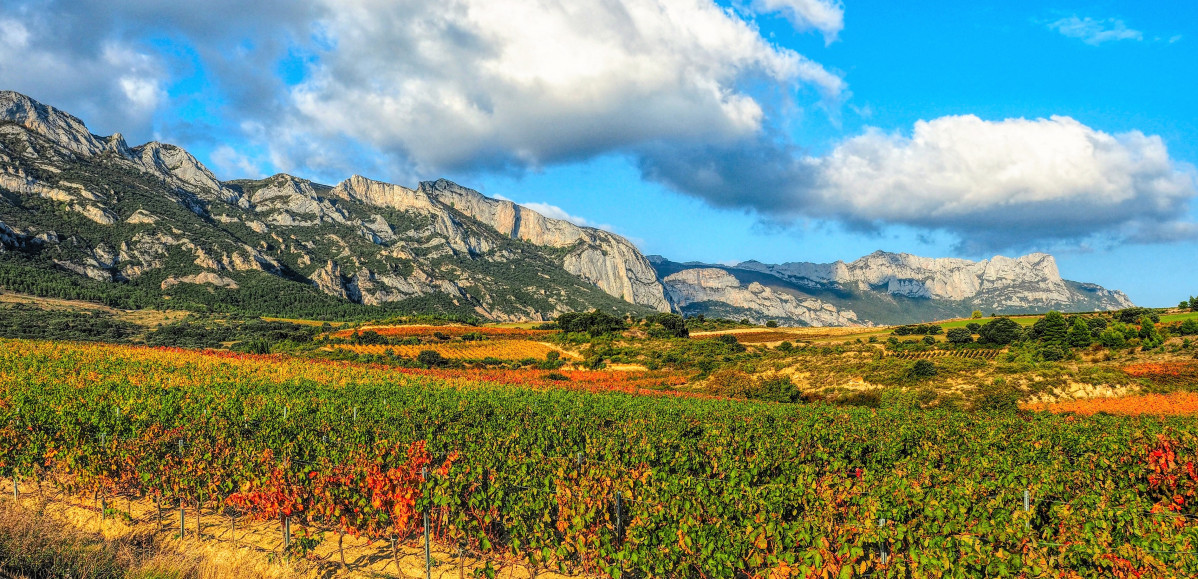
(502, 83)
(106, 62)
(994, 184)
(415, 88)
(1093, 31)
(823, 15)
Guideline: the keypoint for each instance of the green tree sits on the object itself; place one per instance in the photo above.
(1000, 332)
(1112, 338)
(977, 314)
(922, 369)
(1079, 335)
(959, 336)
(430, 358)
(1052, 329)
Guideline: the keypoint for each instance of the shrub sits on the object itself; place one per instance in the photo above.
(1000, 331)
(977, 314)
(771, 324)
(1112, 339)
(430, 358)
(775, 389)
(1053, 352)
(923, 369)
(1188, 327)
(929, 340)
(973, 327)
(998, 397)
(786, 347)
(595, 323)
(959, 336)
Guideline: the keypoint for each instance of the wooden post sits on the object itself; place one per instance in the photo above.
(182, 522)
(199, 536)
(286, 533)
(428, 564)
(16, 489)
(158, 503)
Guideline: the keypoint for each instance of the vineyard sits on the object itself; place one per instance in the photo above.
(451, 331)
(499, 349)
(605, 482)
(970, 354)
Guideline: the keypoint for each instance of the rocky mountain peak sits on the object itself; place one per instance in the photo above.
(58, 126)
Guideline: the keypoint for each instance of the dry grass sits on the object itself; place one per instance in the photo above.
(136, 546)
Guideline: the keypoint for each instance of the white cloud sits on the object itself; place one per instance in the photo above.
(114, 85)
(827, 16)
(231, 164)
(993, 185)
(1042, 178)
(555, 212)
(1093, 31)
(500, 83)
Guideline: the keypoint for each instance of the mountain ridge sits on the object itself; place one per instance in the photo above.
(151, 223)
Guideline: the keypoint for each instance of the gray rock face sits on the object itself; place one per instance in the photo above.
(600, 257)
(760, 304)
(62, 128)
(364, 241)
(999, 283)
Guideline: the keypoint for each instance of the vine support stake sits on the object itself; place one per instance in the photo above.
(16, 489)
(428, 564)
(882, 544)
(182, 522)
(158, 504)
(103, 509)
(286, 533)
(1027, 505)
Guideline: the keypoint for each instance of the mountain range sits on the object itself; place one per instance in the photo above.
(89, 217)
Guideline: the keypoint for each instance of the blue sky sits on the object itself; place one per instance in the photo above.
(776, 130)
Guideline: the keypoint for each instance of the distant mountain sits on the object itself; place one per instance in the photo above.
(880, 288)
(89, 217)
(84, 216)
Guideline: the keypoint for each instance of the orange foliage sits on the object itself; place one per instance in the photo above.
(501, 349)
(452, 331)
(1175, 404)
(1181, 373)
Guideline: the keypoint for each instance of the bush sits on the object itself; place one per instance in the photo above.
(672, 325)
(786, 347)
(1188, 327)
(1000, 332)
(922, 369)
(595, 323)
(929, 340)
(771, 324)
(998, 397)
(973, 327)
(1112, 339)
(959, 336)
(775, 389)
(1053, 352)
(431, 358)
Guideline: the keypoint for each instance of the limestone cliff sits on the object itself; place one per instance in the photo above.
(1000, 283)
(725, 296)
(177, 225)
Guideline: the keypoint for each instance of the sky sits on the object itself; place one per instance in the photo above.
(714, 131)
